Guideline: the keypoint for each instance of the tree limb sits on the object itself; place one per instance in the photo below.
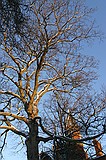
(13, 129)
(10, 93)
(22, 118)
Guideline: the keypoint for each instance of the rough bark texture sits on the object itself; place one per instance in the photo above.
(32, 141)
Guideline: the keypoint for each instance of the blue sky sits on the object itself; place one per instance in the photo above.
(97, 50)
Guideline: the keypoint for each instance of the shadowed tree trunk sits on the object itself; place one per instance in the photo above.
(32, 141)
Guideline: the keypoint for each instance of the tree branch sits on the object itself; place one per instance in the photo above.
(52, 136)
(22, 118)
(79, 140)
(4, 132)
(10, 93)
(13, 129)
(43, 128)
(45, 139)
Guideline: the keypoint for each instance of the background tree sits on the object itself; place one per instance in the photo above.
(82, 118)
(40, 60)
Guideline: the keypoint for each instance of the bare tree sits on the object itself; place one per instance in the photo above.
(43, 59)
(80, 118)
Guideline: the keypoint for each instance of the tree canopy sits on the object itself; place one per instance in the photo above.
(44, 78)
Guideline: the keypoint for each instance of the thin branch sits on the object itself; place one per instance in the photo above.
(11, 79)
(12, 57)
(4, 142)
(4, 132)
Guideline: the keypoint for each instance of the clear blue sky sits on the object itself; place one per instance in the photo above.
(97, 50)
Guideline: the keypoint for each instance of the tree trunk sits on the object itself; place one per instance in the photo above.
(32, 141)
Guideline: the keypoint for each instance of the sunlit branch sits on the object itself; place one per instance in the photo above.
(13, 129)
(8, 51)
(10, 93)
(22, 118)
(39, 65)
